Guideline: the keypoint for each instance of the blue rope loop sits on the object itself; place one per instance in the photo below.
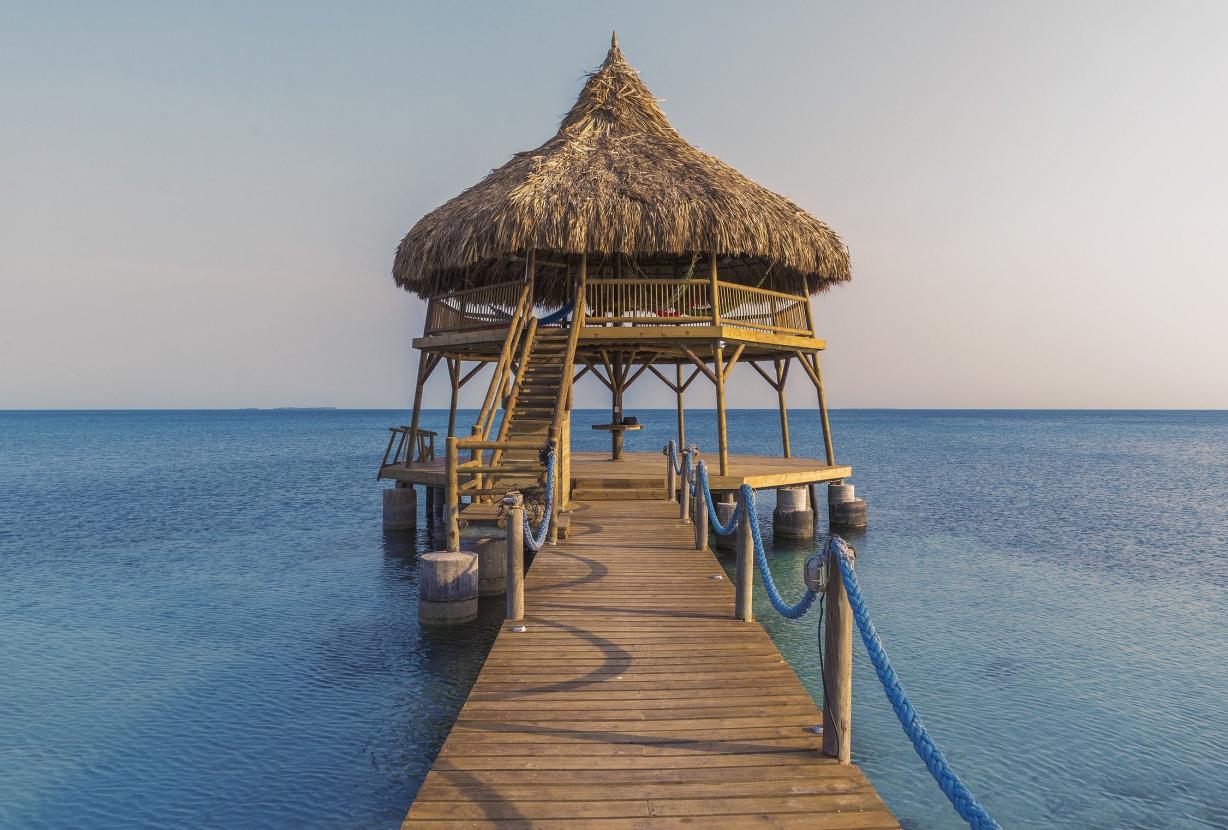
(792, 612)
(534, 541)
(701, 483)
(672, 450)
(969, 809)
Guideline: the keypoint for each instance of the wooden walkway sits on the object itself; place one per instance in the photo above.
(634, 700)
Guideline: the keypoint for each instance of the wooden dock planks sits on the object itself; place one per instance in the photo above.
(635, 700)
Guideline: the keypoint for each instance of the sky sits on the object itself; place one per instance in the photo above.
(199, 203)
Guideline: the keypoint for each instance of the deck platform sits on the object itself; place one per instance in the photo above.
(634, 701)
(647, 469)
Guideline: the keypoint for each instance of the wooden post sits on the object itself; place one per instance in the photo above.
(714, 287)
(701, 521)
(454, 377)
(818, 383)
(781, 376)
(513, 508)
(837, 668)
(722, 439)
(746, 567)
(552, 438)
(681, 411)
(426, 365)
(671, 477)
(452, 511)
(684, 492)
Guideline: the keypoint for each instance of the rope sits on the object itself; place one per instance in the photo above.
(534, 541)
(792, 612)
(969, 809)
(701, 476)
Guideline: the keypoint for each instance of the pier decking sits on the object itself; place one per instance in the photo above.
(635, 700)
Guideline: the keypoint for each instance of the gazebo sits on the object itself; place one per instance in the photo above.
(614, 249)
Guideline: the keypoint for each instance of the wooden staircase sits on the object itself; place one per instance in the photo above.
(535, 397)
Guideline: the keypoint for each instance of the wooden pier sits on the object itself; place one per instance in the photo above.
(634, 699)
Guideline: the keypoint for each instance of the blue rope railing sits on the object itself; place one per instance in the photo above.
(961, 798)
(969, 809)
(798, 609)
(534, 541)
(701, 483)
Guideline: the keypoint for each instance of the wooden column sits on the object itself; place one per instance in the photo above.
(452, 510)
(837, 668)
(714, 287)
(454, 377)
(818, 383)
(701, 521)
(513, 506)
(782, 375)
(684, 492)
(681, 410)
(671, 478)
(722, 439)
(616, 413)
(426, 365)
(745, 575)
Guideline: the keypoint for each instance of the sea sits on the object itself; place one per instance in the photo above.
(202, 623)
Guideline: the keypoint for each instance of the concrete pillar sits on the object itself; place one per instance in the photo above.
(400, 507)
(492, 566)
(447, 586)
(844, 509)
(724, 512)
(792, 518)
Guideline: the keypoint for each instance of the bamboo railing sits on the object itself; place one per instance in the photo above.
(688, 302)
(490, 306)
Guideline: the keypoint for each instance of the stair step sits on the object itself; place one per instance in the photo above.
(616, 494)
(620, 483)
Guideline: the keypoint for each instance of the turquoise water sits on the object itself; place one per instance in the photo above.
(204, 626)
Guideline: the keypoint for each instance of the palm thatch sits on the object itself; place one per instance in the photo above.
(618, 182)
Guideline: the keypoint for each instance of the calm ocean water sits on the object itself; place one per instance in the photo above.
(204, 625)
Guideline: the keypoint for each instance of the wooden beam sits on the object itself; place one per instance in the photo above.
(672, 387)
(597, 374)
(471, 373)
(454, 378)
(700, 364)
(764, 375)
(781, 375)
(733, 361)
(694, 374)
(718, 354)
(679, 389)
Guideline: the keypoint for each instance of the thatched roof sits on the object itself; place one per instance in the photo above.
(615, 180)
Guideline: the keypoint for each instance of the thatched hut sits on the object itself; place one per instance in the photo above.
(615, 248)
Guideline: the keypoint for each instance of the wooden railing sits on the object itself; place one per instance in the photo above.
(762, 309)
(648, 302)
(657, 302)
(491, 306)
(411, 446)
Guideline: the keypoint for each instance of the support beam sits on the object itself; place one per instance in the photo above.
(722, 437)
(454, 379)
(679, 389)
(782, 374)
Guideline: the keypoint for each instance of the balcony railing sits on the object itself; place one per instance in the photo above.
(660, 302)
(491, 306)
(763, 310)
(632, 302)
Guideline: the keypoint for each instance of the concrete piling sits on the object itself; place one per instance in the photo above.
(492, 566)
(844, 509)
(447, 586)
(400, 507)
(792, 518)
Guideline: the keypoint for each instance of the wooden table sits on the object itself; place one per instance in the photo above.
(616, 435)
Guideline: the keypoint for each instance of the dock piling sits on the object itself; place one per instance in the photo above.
(671, 477)
(746, 567)
(513, 506)
(447, 586)
(701, 521)
(400, 507)
(793, 517)
(837, 668)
